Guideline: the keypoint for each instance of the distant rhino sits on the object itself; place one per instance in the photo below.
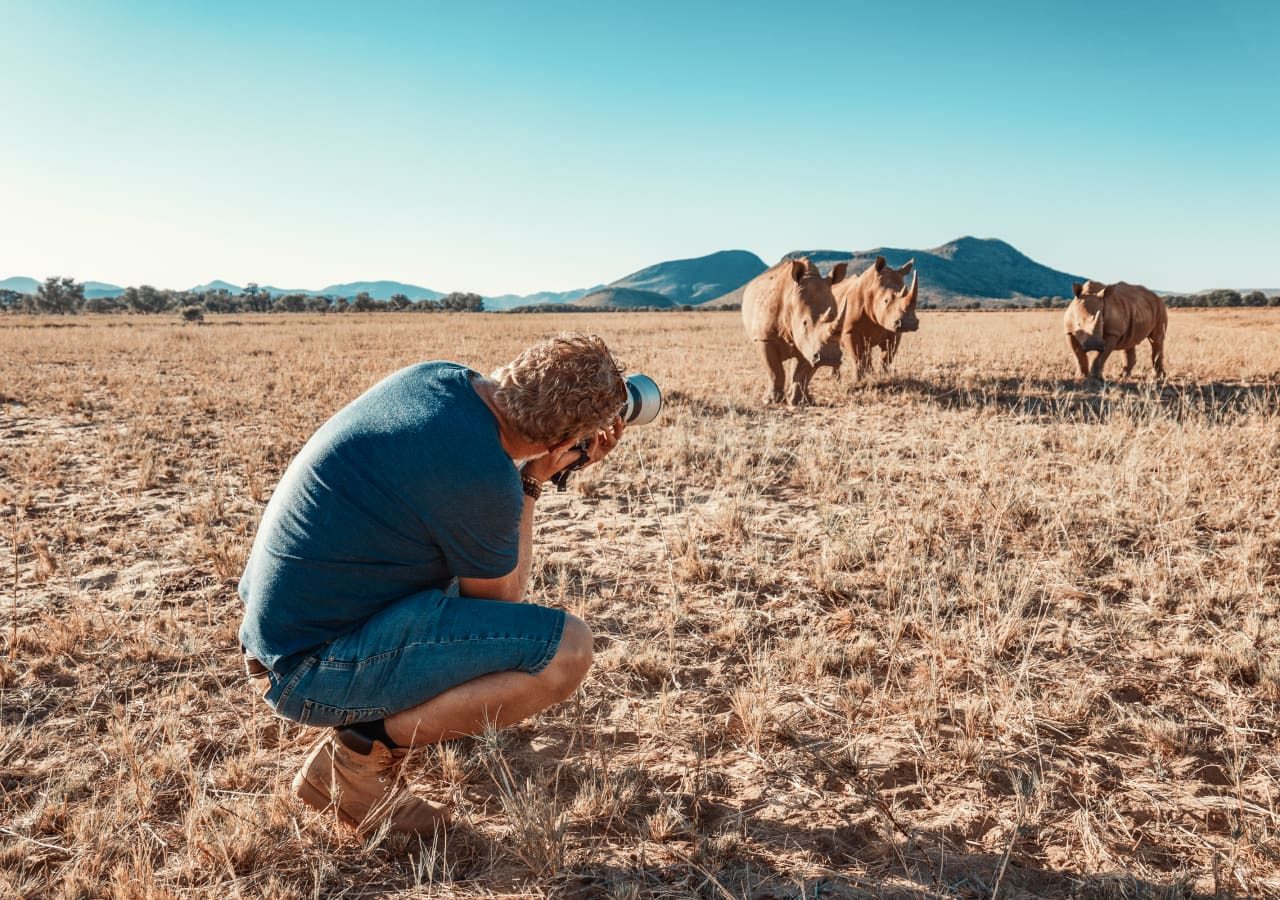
(790, 313)
(879, 308)
(1109, 317)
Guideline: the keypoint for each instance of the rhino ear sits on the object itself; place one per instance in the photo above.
(880, 263)
(907, 267)
(838, 273)
(1077, 288)
(797, 269)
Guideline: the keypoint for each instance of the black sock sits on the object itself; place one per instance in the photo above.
(374, 731)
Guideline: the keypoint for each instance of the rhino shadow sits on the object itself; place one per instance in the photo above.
(1071, 400)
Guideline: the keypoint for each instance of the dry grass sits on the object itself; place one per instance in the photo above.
(968, 630)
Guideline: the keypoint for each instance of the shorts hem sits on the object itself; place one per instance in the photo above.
(553, 644)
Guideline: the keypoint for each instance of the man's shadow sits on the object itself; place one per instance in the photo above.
(720, 848)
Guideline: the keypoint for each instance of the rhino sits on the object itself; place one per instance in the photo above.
(1109, 317)
(790, 313)
(879, 308)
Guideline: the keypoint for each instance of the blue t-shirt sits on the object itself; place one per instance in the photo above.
(403, 489)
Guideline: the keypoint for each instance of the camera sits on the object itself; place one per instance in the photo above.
(644, 402)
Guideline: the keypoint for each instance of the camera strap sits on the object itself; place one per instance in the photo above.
(561, 478)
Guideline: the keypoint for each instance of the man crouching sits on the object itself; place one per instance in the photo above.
(383, 593)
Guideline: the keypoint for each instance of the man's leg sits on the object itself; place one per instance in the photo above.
(499, 699)
(478, 662)
(358, 781)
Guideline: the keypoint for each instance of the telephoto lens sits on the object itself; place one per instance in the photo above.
(644, 400)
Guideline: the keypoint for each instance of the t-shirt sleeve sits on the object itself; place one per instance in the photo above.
(480, 534)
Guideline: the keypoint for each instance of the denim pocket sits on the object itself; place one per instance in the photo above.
(318, 714)
(281, 697)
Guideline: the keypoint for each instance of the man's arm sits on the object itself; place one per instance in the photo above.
(509, 587)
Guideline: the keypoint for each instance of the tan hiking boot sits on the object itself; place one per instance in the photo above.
(357, 778)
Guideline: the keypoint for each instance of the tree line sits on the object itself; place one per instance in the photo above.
(1204, 300)
(65, 296)
(1222, 298)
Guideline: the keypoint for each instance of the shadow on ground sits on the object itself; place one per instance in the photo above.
(723, 848)
(916, 867)
(1076, 401)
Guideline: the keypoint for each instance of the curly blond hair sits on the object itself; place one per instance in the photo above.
(566, 386)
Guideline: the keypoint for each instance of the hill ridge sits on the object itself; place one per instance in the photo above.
(610, 297)
(964, 269)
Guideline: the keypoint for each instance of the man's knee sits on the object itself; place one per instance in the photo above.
(573, 656)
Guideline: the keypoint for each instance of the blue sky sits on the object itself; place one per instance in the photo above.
(514, 147)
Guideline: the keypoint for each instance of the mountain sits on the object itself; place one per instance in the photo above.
(92, 289)
(20, 284)
(679, 281)
(385, 290)
(623, 298)
(216, 285)
(378, 290)
(963, 270)
(698, 279)
(511, 301)
(98, 289)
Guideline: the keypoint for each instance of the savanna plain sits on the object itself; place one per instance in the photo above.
(963, 630)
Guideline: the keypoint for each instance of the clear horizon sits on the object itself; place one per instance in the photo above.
(508, 149)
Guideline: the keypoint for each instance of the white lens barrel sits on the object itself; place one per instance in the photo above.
(644, 400)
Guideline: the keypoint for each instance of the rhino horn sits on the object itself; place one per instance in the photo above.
(833, 324)
(912, 290)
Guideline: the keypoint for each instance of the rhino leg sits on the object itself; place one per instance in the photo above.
(888, 350)
(1130, 359)
(1157, 353)
(849, 350)
(1082, 358)
(772, 356)
(1100, 360)
(861, 353)
(800, 395)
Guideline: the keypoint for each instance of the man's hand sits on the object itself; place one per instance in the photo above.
(563, 455)
(603, 442)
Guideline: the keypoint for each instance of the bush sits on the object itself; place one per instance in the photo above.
(192, 314)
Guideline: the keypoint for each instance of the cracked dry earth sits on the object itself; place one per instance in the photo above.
(964, 630)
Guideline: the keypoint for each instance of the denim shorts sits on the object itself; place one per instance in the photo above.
(411, 651)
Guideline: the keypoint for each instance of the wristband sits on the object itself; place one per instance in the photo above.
(532, 489)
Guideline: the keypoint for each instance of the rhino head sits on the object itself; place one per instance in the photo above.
(811, 309)
(892, 301)
(1084, 316)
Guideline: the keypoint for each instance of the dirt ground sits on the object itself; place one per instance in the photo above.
(966, 629)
